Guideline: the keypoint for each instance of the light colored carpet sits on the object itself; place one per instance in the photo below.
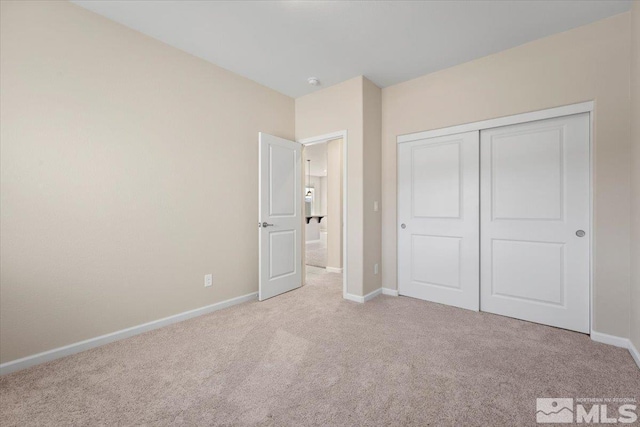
(310, 358)
(316, 275)
(316, 254)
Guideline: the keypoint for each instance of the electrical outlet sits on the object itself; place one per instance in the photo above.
(375, 268)
(375, 206)
(208, 280)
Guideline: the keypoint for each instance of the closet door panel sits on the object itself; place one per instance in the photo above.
(438, 213)
(535, 221)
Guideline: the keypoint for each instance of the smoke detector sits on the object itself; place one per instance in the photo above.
(313, 81)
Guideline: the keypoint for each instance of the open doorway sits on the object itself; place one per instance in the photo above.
(283, 195)
(324, 207)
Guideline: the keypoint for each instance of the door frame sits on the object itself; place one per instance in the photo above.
(532, 116)
(345, 188)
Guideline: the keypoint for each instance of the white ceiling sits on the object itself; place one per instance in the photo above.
(280, 44)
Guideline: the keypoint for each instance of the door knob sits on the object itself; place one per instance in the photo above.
(580, 233)
(266, 224)
(403, 226)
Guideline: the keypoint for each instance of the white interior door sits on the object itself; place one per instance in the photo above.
(280, 216)
(438, 198)
(535, 221)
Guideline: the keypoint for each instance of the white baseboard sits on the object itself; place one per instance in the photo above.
(372, 295)
(390, 292)
(610, 339)
(333, 270)
(354, 298)
(618, 342)
(367, 297)
(634, 353)
(57, 353)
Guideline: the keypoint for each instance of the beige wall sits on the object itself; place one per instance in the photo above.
(587, 63)
(372, 152)
(334, 203)
(334, 109)
(353, 106)
(129, 170)
(116, 152)
(635, 210)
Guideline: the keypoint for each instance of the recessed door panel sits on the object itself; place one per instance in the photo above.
(436, 180)
(527, 174)
(282, 182)
(436, 261)
(528, 271)
(282, 245)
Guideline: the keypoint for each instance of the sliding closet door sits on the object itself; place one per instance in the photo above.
(535, 221)
(438, 197)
